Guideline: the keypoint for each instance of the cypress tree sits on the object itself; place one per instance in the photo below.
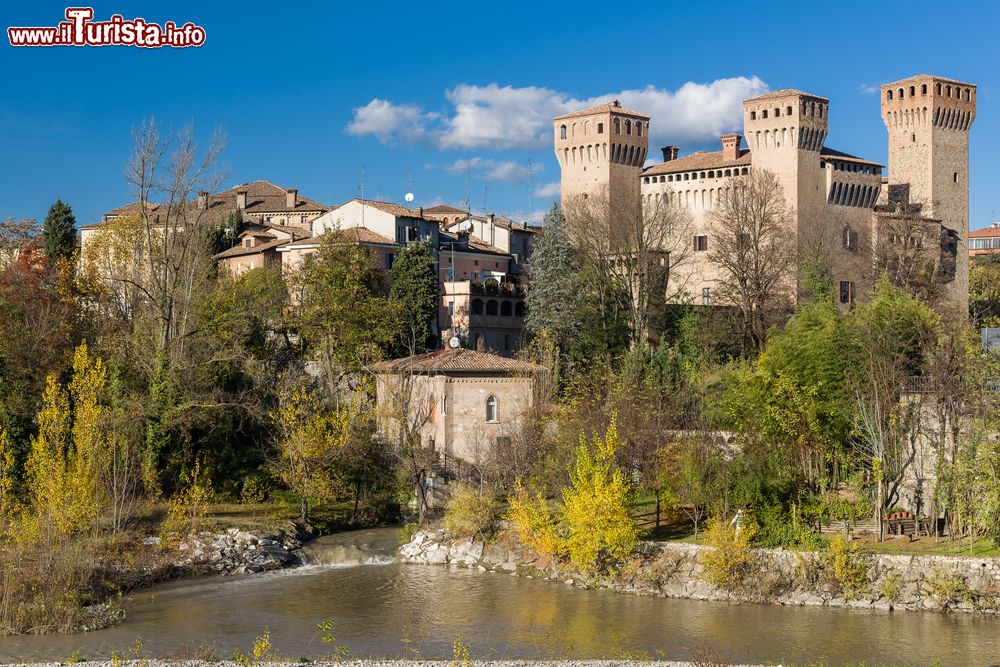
(415, 288)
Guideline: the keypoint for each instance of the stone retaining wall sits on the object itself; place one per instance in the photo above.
(778, 576)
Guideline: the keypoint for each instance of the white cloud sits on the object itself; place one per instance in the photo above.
(486, 169)
(505, 117)
(388, 121)
(548, 190)
(868, 89)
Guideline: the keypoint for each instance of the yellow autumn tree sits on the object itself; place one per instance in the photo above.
(89, 455)
(47, 476)
(310, 437)
(596, 504)
(6, 475)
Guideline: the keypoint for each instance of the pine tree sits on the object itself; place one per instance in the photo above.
(553, 298)
(59, 231)
(415, 288)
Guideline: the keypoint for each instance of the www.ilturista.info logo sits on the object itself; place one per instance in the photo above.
(79, 29)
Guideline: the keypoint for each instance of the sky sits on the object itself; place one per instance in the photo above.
(451, 100)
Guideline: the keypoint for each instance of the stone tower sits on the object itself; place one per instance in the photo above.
(928, 119)
(785, 131)
(601, 152)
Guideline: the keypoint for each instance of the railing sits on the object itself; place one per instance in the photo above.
(498, 289)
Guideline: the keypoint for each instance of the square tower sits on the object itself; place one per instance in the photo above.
(601, 151)
(928, 119)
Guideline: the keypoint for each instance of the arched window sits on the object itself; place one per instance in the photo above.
(618, 125)
(491, 409)
(913, 91)
(505, 308)
(628, 126)
(923, 89)
(491, 307)
(638, 127)
(562, 132)
(477, 306)
(519, 309)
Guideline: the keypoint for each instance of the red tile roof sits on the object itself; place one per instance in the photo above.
(608, 107)
(458, 360)
(699, 160)
(787, 92)
(359, 234)
(986, 232)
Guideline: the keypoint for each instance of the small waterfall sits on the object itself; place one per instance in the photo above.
(360, 547)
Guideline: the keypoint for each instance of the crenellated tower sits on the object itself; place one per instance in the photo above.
(601, 151)
(928, 120)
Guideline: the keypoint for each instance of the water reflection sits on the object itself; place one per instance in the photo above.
(418, 611)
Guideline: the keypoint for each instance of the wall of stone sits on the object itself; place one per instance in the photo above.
(777, 576)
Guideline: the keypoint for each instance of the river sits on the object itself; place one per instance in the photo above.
(386, 609)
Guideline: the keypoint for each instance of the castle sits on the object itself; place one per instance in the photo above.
(844, 200)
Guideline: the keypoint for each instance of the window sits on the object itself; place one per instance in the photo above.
(888, 95)
(600, 128)
(701, 243)
(954, 177)
(753, 115)
(451, 274)
(638, 128)
(618, 125)
(562, 132)
(777, 112)
(451, 308)
(491, 409)
(913, 91)
(913, 137)
(846, 291)
(788, 111)
(476, 262)
(706, 296)
(389, 257)
(628, 126)
(850, 239)
(763, 114)
(248, 243)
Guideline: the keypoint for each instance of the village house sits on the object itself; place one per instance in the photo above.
(465, 404)
(984, 242)
(257, 247)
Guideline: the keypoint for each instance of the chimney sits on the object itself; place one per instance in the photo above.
(669, 153)
(420, 211)
(291, 194)
(203, 200)
(615, 103)
(241, 200)
(731, 146)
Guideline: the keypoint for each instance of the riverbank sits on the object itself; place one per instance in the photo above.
(774, 576)
(400, 663)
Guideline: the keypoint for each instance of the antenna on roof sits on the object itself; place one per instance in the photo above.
(361, 187)
(486, 193)
(529, 187)
(468, 183)
(409, 187)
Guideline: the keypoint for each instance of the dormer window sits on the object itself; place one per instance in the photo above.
(248, 243)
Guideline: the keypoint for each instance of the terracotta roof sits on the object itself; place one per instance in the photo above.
(923, 77)
(697, 161)
(603, 108)
(240, 250)
(444, 208)
(846, 157)
(456, 360)
(787, 92)
(388, 207)
(992, 230)
(359, 234)
(295, 231)
(470, 244)
(498, 220)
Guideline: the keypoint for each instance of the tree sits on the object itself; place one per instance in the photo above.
(636, 245)
(984, 291)
(309, 440)
(597, 503)
(908, 250)
(555, 288)
(754, 248)
(59, 232)
(893, 333)
(415, 290)
(687, 471)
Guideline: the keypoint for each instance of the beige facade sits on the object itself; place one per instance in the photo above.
(464, 403)
(833, 197)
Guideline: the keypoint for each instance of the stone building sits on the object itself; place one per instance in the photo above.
(832, 197)
(464, 403)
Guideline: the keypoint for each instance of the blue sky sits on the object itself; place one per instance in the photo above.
(308, 93)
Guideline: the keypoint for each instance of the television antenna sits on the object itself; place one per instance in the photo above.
(409, 187)
(530, 164)
(454, 342)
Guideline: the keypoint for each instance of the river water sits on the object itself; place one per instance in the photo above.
(386, 609)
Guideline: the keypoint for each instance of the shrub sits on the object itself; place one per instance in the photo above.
(846, 566)
(727, 561)
(949, 587)
(891, 585)
(406, 532)
(533, 522)
(470, 513)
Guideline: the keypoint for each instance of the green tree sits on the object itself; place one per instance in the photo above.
(59, 231)
(415, 291)
(554, 297)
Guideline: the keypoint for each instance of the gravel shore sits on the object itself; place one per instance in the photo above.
(397, 663)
